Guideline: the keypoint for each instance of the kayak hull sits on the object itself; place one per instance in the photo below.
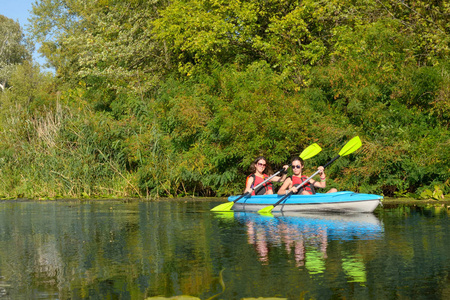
(347, 202)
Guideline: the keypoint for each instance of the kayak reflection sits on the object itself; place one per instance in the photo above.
(306, 237)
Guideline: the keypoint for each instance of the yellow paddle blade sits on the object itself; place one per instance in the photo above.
(223, 207)
(351, 146)
(310, 151)
(266, 210)
(225, 215)
(265, 214)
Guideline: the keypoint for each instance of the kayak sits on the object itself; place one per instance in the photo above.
(345, 201)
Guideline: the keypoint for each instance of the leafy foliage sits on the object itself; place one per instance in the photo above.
(13, 49)
(178, 97)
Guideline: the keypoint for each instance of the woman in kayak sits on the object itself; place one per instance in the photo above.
(298, 178)
(258, 168)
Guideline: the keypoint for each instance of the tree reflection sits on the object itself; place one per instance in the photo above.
(95, 250)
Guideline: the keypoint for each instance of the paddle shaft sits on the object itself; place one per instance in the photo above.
(254, 188)
(306, 181)
(329, 163)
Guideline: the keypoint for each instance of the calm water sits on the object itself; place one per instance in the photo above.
(140, 250)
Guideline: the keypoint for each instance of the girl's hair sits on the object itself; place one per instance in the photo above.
(299, 159)
(268, 169)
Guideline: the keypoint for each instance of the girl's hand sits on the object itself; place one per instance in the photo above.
(322, 173)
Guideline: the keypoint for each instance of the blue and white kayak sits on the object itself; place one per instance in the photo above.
(345, 201)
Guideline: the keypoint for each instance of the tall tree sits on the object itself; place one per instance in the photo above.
(106, 42)
(13, 48)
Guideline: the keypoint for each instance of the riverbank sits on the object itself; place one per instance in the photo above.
(412, 201)
(395, 202)
(385, 201)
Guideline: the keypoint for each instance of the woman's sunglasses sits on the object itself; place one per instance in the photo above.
(260, 164)
(296, 167)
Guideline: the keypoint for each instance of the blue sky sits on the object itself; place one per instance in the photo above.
(19, 11)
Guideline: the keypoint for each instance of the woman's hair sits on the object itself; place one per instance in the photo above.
(299, 159)
(267, 170)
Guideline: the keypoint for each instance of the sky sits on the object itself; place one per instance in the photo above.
(19, 11)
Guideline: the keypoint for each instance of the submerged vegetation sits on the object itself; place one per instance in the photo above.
(175, 98)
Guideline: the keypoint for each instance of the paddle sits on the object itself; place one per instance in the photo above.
(309, 152)
(350, 147)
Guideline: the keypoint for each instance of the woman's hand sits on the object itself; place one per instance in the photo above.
(323, 177)
(283, 173)
(293, 189)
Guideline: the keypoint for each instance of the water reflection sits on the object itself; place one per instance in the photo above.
(136, 250)
(305, 237)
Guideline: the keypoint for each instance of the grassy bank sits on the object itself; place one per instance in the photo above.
(387, 202)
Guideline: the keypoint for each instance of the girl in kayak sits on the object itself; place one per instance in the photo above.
(257, 168)
(298, 178)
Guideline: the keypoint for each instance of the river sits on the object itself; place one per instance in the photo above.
(156, 250)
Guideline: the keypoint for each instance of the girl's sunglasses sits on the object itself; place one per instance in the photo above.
(260, 164)
(296, 167)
